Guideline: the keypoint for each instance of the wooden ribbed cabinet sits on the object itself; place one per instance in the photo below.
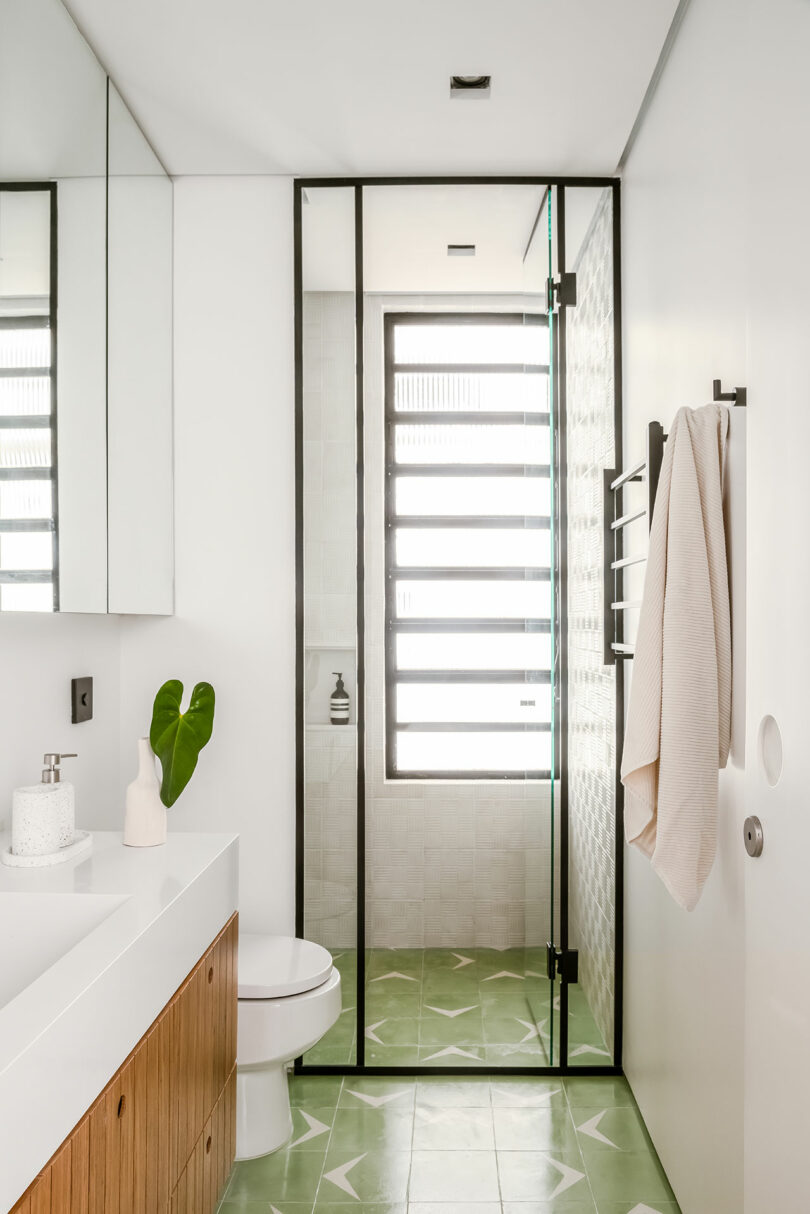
(161, 1137)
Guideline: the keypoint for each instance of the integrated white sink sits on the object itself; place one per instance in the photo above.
(38, 929)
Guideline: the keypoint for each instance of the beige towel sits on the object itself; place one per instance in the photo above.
(679, 716)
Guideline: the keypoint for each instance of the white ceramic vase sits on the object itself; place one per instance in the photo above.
(145, 817)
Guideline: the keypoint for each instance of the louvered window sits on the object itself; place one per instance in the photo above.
(468, 546)
(27, 498)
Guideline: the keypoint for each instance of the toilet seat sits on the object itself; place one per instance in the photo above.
(274, 967)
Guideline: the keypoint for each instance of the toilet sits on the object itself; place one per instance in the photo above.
(289, 996)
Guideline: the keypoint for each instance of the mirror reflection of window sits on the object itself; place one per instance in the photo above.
(28, 524)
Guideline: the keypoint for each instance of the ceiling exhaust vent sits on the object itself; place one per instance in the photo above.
(470, 86)
(461, 250)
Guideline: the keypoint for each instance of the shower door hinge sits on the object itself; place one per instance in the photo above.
(562, 965)
(562, 291)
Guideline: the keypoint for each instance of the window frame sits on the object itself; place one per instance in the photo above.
(395, 626)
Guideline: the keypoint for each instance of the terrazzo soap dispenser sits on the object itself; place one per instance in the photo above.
(43, 816)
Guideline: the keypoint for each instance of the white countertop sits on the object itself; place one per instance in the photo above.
(73, 1016)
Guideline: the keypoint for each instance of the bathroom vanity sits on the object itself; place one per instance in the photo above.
(118, 986)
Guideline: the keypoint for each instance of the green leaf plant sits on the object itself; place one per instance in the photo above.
(178, 737)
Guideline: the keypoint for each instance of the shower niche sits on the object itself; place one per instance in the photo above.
(458, 847)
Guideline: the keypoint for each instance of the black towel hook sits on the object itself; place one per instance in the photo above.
(739, 396)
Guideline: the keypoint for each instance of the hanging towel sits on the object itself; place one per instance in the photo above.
(679, 715)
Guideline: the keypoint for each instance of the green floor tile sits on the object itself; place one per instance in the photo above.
(392, 1030)
(311, 1128)
(464, 1029)
(628, 1207)
(526, 1092)
(530, 1054)
(381, 1001)
(542, 1176)
(443, 1093)
(529, 1129)
(324, 1054)
(328, 1207)
(610, 1090)
(382, 1092)
(454, 1129)
(451, 1055)
(510, 1030)
(454, 1207)
(368, 1176)
(283, 1176)
(320, 1091)
(391, 1055)
(627, 1175)
(561, 1205)
(622, 1126)
(458, 1176)
(368, 1129)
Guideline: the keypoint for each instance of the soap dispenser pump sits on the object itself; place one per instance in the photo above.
(43, 816)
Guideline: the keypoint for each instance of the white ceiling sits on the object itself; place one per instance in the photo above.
(316, 87)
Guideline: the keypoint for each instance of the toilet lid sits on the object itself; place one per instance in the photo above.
(271, 967)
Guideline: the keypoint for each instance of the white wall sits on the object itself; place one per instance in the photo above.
(234, 530)
(685, 317)
(39, 654)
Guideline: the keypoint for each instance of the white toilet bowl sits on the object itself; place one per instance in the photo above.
(289, 996)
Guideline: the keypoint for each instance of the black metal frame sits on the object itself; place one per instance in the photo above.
(360, 1068)
(393, 573)
(38, 576)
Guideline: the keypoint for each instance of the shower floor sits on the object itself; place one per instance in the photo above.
(464, 1007)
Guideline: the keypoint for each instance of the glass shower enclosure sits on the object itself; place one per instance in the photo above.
(457, 392)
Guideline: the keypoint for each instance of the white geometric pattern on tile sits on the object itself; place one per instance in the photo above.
(316, 1128)
(591, 1128)
(570, 1177)
(452, 1051)
(451, 1015)
(462, 961)
(394, 974)
(338, 1176)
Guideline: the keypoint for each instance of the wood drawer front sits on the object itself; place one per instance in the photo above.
(149, 1127)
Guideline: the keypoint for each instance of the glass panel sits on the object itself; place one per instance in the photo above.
(26, 394)
(449, 752)
(472, 600)
(491, 703)
(490, 496)
(25, 448)
(26, 550)
(472, 343)
(471, 444)
(330, 598)
(26, 499)
(457, 546)
(34, 597)
(473, 651)
(25, 348)
(592, 754)
(455, 391)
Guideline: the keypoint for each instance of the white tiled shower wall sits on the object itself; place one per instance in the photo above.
(592, 686)
(447, 864)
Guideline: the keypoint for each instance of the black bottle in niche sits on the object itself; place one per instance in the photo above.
(339, 702)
